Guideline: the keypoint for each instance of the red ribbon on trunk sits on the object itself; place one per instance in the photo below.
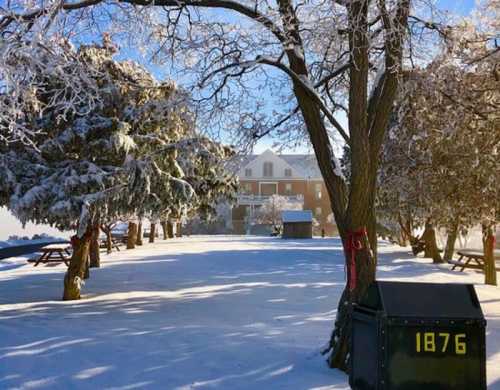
(74, 241)
(354, 243)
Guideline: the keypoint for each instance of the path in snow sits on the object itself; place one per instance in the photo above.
(207, 312)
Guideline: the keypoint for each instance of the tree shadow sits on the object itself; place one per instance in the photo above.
(182, 317)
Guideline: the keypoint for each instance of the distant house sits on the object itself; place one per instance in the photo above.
(296, 176)
(297, 224)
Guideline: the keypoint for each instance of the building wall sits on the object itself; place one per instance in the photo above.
(316, 201)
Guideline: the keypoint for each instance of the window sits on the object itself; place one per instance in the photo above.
(318, 211)
(288, 188)
(288, 172)
(248, 172)
(268, 169)
(317, 190)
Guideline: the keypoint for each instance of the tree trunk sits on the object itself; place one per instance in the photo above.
(95, 256)
(368, 119)
(341, 335)
(152, 232)
(431, 248)
(109, 241)
(139, 234)
(178, 229)
(164, 228)
(450, 242)
(132, 235)
(73, 279)
(404, 236)
(372, 232)
(86, 274)
(490, 272)
(170, 229)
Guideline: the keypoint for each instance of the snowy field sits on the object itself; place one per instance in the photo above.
(196, 313)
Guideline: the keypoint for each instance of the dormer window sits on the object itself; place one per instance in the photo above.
(288, 172)
(248, 172)
(267, 169)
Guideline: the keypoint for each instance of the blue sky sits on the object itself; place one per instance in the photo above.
(458, 7)
(9, 225)
(461, 7)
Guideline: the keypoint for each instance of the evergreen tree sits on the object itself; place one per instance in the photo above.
(104, 161)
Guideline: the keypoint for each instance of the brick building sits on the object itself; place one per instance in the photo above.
(295, 176)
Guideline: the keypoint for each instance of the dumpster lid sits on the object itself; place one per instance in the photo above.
(426, 300)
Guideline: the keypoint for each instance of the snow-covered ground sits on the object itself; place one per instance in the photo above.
(20, 241)
(206, 312)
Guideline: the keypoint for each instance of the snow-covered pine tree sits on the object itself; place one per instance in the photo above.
(110, 159)
(206, 169)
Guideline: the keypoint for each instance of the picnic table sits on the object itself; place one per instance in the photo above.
(473, 259)
(115, 243)
(54, 253)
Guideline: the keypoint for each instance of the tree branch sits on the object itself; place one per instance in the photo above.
(310, 89)
(249, 12)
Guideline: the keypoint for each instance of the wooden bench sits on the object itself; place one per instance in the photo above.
(54, 253)
(472, 259)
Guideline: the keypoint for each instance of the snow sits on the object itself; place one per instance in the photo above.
(296, 216)
(200, 312)
(10, 225)
(20, 242)
(57, 246)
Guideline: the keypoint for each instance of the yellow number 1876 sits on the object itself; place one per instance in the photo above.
(433, 342)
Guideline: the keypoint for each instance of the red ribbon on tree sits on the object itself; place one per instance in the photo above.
(74, 241)
(354, 242)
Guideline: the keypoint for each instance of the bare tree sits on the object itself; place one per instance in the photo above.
(271, 210)
(309, 55)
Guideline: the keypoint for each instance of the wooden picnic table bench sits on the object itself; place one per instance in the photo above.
(54, 253)
(473, 259)
(115, 243)
(120, 238)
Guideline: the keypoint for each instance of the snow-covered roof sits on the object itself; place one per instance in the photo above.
(304, 164)
(296, 216)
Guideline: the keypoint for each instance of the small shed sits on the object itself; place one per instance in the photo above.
(297, 223)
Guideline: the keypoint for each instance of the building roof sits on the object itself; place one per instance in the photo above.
(305, 164)
(288, 216)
